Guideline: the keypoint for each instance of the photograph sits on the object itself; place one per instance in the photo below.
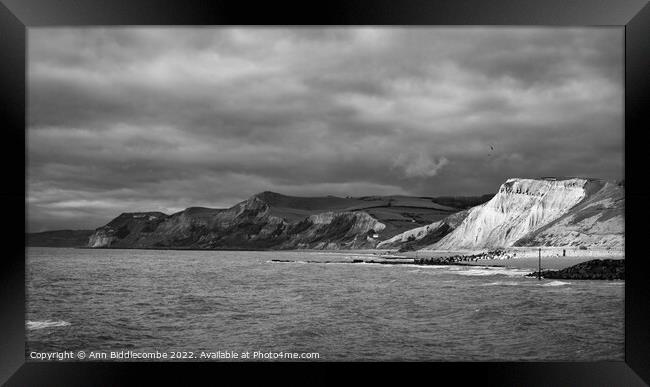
(325, 193)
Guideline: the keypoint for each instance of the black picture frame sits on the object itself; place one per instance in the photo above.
(16, 16)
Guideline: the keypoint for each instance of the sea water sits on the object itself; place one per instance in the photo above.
(239, 301)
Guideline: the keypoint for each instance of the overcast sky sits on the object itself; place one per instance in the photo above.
(144, 119)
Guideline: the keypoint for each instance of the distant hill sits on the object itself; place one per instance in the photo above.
(59, 238)
(270, 220)
(463, 202)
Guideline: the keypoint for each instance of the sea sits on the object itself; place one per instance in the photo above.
(191, 303)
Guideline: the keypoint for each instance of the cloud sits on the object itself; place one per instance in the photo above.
(420, 165)
(140, 118)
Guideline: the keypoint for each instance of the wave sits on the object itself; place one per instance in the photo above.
(485, 271)
(421, 268)
(425, 267)
(556, 283)
(285, 261)
(502, 283)
(389, 256)
(341, 263)
(46, 324)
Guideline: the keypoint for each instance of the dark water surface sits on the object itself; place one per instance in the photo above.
(145, 300)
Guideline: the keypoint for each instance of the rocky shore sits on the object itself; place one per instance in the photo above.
(451, 259)
(600, 269)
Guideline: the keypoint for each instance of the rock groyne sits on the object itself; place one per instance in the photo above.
(596, 269)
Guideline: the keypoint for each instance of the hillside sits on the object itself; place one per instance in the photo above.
(420, 237)
(270, 220)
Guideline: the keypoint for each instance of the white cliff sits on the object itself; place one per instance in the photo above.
(520, 207)
(101, 238)
(597, 222)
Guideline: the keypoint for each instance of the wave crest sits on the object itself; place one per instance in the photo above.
(46, 324)
(556, 283)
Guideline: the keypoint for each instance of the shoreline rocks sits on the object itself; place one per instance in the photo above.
(596, 269)
(492, 254)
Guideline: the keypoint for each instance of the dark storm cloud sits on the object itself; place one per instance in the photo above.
(128, 119)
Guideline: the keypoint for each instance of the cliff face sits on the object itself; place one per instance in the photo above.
(519, 207)
(598, 221)
(126, 229)
(336, 230)
(251, 224)
(585, 213)
(544, 212)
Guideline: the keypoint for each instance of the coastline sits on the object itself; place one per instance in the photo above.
(526, 252)
(528, 257)
(525, 258)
